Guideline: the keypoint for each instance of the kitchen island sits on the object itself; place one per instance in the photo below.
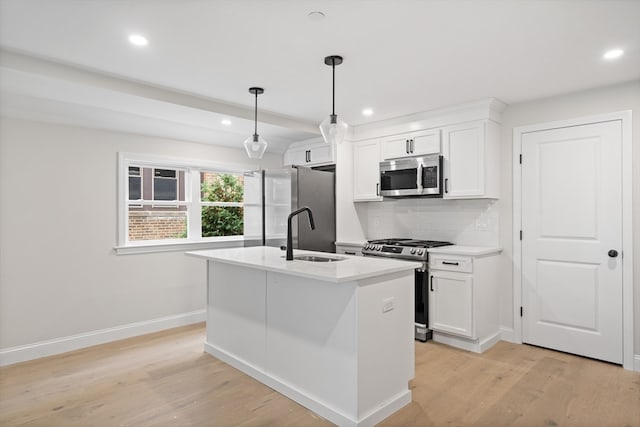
(336, 337)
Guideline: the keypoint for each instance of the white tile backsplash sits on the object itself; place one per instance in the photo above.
(463, 222)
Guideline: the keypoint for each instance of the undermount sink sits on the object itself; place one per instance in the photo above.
(316, 258)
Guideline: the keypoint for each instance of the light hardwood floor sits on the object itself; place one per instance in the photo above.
(166, 379)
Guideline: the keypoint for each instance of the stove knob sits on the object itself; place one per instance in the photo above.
(366, 246)
(378, 248)
(413, 251)
(420, 251)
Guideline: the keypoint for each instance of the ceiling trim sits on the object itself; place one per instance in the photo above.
(40, 66)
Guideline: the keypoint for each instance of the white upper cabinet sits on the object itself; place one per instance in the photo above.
(310, 155)
(411, 144)
(471, 160)
(366, 171)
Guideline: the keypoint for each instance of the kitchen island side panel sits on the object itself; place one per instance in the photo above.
(236, 311)
(312, 338)
(385, 341)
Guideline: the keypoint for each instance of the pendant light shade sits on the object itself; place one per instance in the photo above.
(255, 144)
(332, 128)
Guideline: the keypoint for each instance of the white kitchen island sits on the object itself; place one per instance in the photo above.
(336, 337)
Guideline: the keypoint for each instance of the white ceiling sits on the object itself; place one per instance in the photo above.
(400, 57)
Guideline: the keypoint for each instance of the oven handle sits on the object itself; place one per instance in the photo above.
(431, 283)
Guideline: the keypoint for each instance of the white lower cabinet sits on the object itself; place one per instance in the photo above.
(451, 303)
(463, 300)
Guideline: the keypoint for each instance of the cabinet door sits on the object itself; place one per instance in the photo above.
(427, 142)
(310, 155)
(414, 144)
(296, 156)
(366, 171)
(451, 303)
(320, 154)
(464, 160)
(396, 147)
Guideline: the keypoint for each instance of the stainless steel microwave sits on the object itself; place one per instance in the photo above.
(412, 176)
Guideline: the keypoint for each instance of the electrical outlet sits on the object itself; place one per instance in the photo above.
(388, 304)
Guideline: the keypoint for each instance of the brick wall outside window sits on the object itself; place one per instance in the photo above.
(154, 225)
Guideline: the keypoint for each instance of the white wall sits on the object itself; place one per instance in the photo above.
(59, 276)
(596, 101)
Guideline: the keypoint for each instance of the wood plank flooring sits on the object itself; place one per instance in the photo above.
(165, 379)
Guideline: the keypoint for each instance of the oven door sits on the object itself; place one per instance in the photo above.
(422, 332)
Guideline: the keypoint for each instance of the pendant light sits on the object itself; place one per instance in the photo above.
(333, 129)
(255, 144)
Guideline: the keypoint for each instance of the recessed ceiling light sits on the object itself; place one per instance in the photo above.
(226, 122)
(138, 40)
(367, 112)
(613, 54)
(315, 16)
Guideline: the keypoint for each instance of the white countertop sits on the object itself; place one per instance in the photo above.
(273, 259)
(465, 250)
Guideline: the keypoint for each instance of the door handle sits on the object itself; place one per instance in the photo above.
(431, 284)
(613, 253)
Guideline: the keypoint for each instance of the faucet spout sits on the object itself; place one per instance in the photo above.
(289, 236)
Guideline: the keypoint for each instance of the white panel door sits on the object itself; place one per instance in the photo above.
(571, 220)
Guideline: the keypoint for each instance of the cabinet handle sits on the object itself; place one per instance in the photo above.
(411, 145)
(378, 189)
(446, 185)
(450, 263)
(349, 253)
(307, 155)
(431, 284)
(406, 146)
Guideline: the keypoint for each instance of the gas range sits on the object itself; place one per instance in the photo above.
(409, 249)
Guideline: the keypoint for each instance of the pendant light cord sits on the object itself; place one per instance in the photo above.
(255, 116)
(333, 97)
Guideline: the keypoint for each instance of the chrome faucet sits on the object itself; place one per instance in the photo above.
(289, 238)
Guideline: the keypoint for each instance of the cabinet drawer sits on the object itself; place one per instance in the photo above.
(462, 264)
(349, 250)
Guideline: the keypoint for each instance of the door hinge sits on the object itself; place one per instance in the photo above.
(520, 234)
(520, 311)
(520, 158)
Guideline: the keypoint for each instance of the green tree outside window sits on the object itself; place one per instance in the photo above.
(222, 220)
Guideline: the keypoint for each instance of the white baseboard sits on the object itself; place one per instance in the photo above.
(23, 353)
(636, 362)
(506, 334)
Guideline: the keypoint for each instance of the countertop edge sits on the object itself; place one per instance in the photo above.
(366, 275)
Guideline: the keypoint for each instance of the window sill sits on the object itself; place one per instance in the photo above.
(144, 248)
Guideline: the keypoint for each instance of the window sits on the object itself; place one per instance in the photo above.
(221, 200)
(135, 183)
(168, 202)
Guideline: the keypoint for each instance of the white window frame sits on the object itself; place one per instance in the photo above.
(192, 169)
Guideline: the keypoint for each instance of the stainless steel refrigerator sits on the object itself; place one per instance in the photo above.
(270, 195)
